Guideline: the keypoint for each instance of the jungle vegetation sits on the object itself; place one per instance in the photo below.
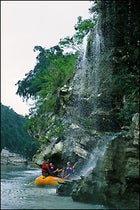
(14, 136)
(55, 69)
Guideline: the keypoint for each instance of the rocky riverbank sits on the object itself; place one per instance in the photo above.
(10, 158)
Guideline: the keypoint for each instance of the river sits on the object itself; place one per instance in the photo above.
(19, 192)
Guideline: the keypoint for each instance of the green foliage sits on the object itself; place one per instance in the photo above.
(14, 135)
(128, 110)
(82, 29)
(123, 59)
(53, 70)
(44, 125)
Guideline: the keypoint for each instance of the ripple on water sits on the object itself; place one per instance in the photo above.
(17, 193)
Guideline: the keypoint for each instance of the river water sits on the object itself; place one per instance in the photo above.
(19, 192)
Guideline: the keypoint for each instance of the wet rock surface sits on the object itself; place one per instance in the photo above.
(66, 188)
(115, 180)
(92, 126)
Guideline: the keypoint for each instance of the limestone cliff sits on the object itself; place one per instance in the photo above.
(101, 124)
(115, 180)
(101, 121)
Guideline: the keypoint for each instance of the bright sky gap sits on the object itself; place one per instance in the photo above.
(24, 25)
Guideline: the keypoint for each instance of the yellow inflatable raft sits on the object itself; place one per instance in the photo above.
(49, 180)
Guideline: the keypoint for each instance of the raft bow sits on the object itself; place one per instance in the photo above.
(49, 180)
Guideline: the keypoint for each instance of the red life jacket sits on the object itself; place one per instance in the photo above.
(45, 167)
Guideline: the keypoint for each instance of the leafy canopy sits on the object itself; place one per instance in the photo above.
(14, 135)
(54, 69)
(82, 29)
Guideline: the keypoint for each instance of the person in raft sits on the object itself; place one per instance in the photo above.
(77, 167)
(62, 173)
(53, 171)
(68, 171)
(46, 167)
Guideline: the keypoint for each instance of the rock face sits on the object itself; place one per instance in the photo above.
(115, 181)
(121, 172)
(93, 128)
(9, 158)
(52, 150)
(66, 188)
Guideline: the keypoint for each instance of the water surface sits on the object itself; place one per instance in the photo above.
(19, 192)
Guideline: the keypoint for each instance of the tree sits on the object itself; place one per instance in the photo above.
(54, 69)
(82, 29)
(14, 136)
